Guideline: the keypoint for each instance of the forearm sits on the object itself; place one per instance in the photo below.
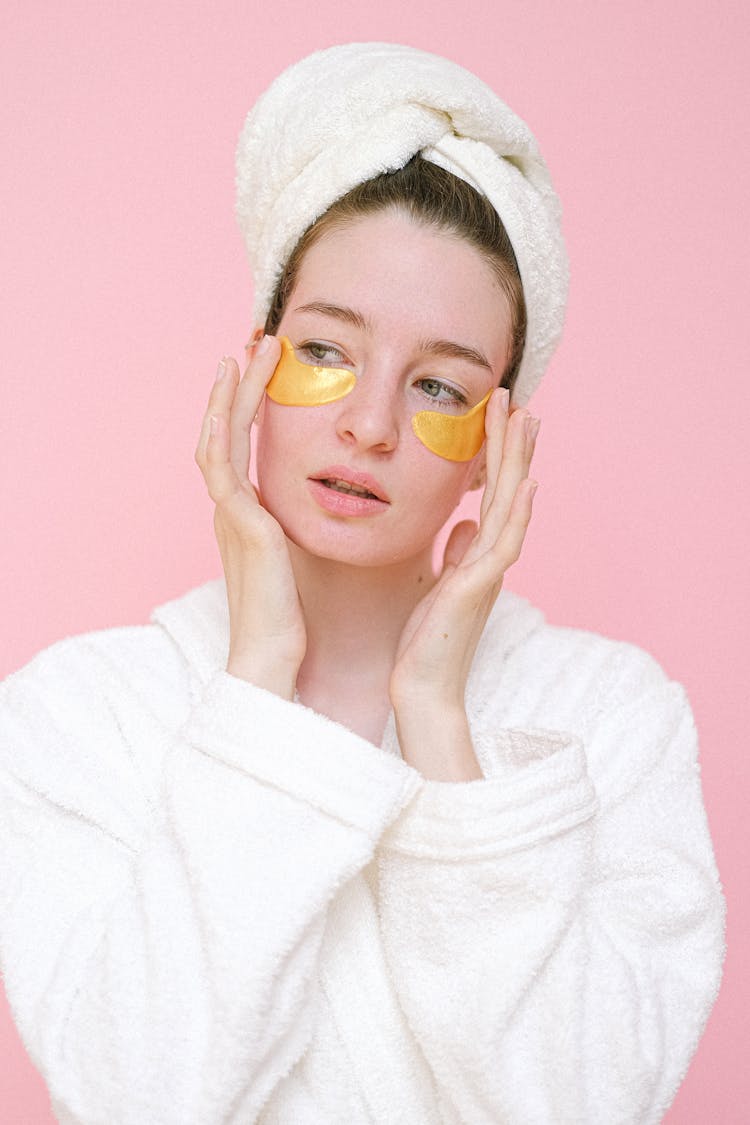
(150, 918)
(578, 885)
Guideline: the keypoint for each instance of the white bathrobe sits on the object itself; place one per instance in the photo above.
(217, 906)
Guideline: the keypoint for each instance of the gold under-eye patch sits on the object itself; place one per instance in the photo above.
(294, 383)
(456, 437)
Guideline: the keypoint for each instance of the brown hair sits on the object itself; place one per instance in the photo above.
(436, 197)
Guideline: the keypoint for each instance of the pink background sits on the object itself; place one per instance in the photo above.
(126, 281)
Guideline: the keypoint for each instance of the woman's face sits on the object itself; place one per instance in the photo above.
(420, 319)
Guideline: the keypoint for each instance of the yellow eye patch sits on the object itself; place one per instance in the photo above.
(456, 437)
(294, 383)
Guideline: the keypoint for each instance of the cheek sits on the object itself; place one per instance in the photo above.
(281, 430)
(440, 483)
(434, 483)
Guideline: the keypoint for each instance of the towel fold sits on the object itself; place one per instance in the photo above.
(348, 113)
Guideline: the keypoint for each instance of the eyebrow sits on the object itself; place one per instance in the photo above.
(339, 312)
(448, 349)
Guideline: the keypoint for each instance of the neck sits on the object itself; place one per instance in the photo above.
(354, 615)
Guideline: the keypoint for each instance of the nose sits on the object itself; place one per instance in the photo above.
(367, 416)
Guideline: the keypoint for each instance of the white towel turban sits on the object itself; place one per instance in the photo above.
(347, 113)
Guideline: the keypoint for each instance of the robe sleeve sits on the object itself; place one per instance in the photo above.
(163, 896)
(555, 931)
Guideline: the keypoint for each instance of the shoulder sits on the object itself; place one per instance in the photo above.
(524, 655)
(86, 724)
(572, 679)
(89, 674)
(612, 696)
(185, 638)
(593, 663)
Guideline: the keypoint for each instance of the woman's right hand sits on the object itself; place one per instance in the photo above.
(267, 636)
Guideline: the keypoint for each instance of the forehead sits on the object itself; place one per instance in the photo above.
(406, 278)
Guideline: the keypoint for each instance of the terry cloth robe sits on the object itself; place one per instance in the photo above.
(218, 906)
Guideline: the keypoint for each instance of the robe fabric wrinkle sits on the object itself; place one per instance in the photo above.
(218, 906)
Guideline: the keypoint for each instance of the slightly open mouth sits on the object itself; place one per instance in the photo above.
(350, 489)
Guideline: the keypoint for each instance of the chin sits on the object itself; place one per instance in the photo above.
(350, 547)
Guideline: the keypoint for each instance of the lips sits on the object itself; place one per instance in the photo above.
(347, 481)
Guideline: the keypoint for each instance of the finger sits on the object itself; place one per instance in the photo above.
(458, 542)
(219, 401)
(252, 343)
(507, 548)
(263, 360)
(514, 467)
(213, 453)
(533, 432)
(221, 480)
(495, 426)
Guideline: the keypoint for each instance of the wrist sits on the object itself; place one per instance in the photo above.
(277, 677)
(409, 694)
(435, 738)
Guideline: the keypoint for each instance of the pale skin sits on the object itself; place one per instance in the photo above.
(346, 610)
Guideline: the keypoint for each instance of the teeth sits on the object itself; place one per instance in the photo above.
(345, 486)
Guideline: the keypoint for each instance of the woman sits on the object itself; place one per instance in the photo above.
(337, 839)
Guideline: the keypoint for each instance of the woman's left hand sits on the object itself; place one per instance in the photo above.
(439, 640)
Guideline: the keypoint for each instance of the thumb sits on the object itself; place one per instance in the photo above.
(458, 542)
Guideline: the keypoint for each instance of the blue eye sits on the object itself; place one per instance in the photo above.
(441, 392)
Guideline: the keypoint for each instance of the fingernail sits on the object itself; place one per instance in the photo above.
(221, 368)
(504, 398)
(534, 427)
(262, 345)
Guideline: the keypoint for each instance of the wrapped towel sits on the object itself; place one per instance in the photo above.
(348, 113)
